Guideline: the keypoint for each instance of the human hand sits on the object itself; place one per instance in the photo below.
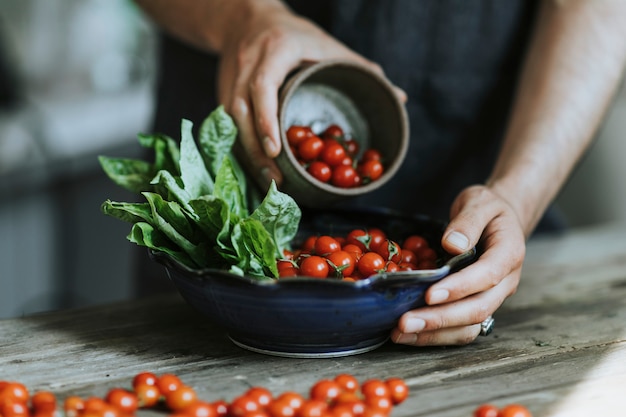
(255, 60)
(456, 305)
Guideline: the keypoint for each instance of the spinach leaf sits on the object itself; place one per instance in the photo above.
(194, 175)
(166, 152)
(130, 174)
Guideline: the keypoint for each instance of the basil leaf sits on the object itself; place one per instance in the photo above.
(143, 234)
(255, 249)
(171, 187)
(280, 215)
(128, 212)
(216, 137)
(166, 152)
(196, 179)
(214, 220)
(227, 187)
(130, 174)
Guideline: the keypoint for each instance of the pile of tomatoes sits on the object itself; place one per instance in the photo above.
(330, 156)
(342, 396)
(358, 255)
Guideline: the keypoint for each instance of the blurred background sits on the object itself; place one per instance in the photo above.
(76, 82)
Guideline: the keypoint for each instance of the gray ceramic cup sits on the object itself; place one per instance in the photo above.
(361, 102)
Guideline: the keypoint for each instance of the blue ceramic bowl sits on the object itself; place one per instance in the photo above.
(309, 317)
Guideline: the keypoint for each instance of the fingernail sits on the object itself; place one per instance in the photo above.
(458, 239)
(406, 339)
(270, 147)
(414, 325)
(438, 296)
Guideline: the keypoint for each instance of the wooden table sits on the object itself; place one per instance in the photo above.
(559, 345)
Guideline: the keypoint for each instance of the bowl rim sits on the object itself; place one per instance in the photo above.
(399, 278)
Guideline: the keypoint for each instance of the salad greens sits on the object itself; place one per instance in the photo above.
(197, 202)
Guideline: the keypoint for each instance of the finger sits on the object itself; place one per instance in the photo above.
(469, 311)
(446, 337)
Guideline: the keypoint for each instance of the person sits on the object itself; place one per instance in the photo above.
(503, 100)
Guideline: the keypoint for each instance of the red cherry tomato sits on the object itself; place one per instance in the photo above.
(377, 237)
(360, 238)
(243, 405)
(333, 131)
(325, 245)
(370, 263)
(371, 155)
(355, 251)
(43, 402)
(201, 409)
(347, 382)
(325, 390)
(333, 153)
(314, 266)
(310, 148)
(181, 398)
(486, 410)
(398, 389)
(375, 388)
(261, 395)
(414, 243)
(407, 256)
(167, 383)
(514, 410)
(342, 262)
(147, 395)
(352, 146)
(370, 170)
(297, 134)
(389, 250)
(123, 400)
(313, 408)
(344, 176)
(320, 170)
(144, 378)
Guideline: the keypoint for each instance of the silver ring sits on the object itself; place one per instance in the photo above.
(486, 327)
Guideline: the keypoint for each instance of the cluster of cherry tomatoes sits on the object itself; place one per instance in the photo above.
(330, 156)
(358, 255)
(510, 410)
(342, 396)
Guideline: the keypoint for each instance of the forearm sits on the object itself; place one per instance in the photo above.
(572, 71)
(206, 24)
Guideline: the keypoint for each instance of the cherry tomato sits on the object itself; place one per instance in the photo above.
(242, 405)
(414, 243)
(344, 176)
(14, 392)
(325, 390)
(389, 250)
(15, 409)
(221, 407)
(347, 382)
(375, 388)
(43, 402)
(405, 266)
(144, 378)
(370, 170)
(297, 134)
(352, 146)
(292, 399)
(261, 395)
(347, 160)
(123, 400)
(167, 383)
(201, 409)
(379, 402)
(391, 266)
(360, 238)
(514, 410)
(407, 256)
(398, 389)
(486, 410)
(313, 408)
(325, 245)
(147, 395)
(374, 412)
(333, 153)
(371, 155)
(377, 237)
(73, 406)
(309, 244)
(370, 264)
(343, 263)
(310, 148)
(181, 398)
(354, 251)
(291, 271)
(333, 132)
(320, 170)
(314, 266)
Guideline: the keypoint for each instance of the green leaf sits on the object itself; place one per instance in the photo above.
(227, 187)
(214, 220)
(255, 248)
(166, 151)
(143, 234)
(216, 137)
(170, 187)
(196, 179)
(128, 212)
(280, 215)
(130, 174)
(170, 218)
